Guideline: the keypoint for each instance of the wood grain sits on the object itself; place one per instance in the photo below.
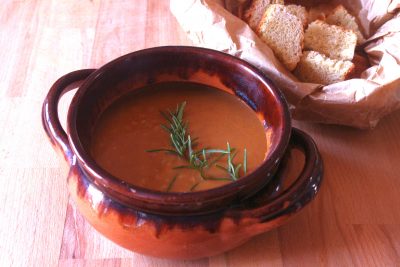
(355, 220)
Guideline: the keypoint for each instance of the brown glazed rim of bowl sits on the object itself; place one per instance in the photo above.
(177, 203)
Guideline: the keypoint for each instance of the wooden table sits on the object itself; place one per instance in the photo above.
(354, 221)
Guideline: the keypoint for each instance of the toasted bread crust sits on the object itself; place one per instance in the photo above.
(328, 47)
(341, 17)
(300, 12)
(331, 40)
(255, 11)
(283, 33)
(317, 68)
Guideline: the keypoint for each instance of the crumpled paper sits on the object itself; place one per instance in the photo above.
(359, 102)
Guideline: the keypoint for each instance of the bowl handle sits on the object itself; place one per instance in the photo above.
(50, 120)
(281, 204)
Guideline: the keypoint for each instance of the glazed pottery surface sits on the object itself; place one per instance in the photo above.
(181, 225)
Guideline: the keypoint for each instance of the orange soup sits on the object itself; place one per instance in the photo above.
(179, 137)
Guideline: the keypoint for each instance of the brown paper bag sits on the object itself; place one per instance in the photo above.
(358, 102)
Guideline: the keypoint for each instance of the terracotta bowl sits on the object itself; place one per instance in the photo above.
(180, 225)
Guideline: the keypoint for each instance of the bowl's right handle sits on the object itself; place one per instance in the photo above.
(298, 194)
(50, 120)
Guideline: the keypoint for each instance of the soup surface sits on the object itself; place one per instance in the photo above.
(131, 126)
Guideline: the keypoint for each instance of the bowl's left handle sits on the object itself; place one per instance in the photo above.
(50, 119)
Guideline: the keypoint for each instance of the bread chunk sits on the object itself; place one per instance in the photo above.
(341, 17)
(331, 40)
(317, 68)
(300, 12)
(283, 33)
(256, 10)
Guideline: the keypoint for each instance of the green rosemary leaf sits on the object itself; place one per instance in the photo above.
(236, 171)
(171, 183)
(218, 179)
(165, 116)
(229, 168)
(211, 163)
(180, 110)
(190, 147)
(231, 165)
(215, 151)
(245, 161)
(176, 145)
(183, 167)
(221, 167)
(202, 175)
(194, 187)
(177, 123)
(233, 155)
(162, 150)
(168, 130)
(198, 153)
(194, 142)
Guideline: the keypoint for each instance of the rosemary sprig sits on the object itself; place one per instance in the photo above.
(183, 146)
(231, 168)
(177, 131)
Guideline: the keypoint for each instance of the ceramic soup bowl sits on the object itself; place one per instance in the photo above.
(180, 225)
